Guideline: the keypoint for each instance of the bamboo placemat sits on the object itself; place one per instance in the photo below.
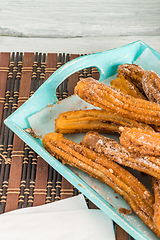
(25, 178)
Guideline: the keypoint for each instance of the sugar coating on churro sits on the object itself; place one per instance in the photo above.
(106, 97)
(151, 86)
(141, 141)
(105, 170)
(117, 152)
(132, 72)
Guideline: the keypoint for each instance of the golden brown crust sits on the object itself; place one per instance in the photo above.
(151, 86)
(156, 189)
(123, 182)
(92, 120)
(106, 97)
(116, 152)
(132, 72)
(141, 141)
(127, 87)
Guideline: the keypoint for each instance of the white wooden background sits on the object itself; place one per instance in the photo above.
(77, 26)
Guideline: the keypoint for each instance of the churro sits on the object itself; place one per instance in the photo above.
(118, 153)
(106, 97)
(127, 87)
(92, 120)
(151, 86)
(132, 72)
(130, 188)
(141, 141)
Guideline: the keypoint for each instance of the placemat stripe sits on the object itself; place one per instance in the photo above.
(3, 137)
(66, 190)
(65, 82)
(53, 190)
(40, 189)
(4, 69)
(49, 184)
(73, 78)
(23, 178)
(30, 160)
(31, 181)
(26, 168)
(51, 67)
(6, 134)
(58, 187)
(60, 62)
(95, 73)
(18, 144)
(13, 104)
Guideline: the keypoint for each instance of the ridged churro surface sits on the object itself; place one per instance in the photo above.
(119, 153)
(106, 97)
(127, 87)
(92, 120)
(132, 72)
(130, 188)
(141, 141)
(151, 86)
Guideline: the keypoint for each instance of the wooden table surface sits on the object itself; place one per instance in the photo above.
(77, 27)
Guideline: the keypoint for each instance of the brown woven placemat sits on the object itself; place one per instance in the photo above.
(25, 178)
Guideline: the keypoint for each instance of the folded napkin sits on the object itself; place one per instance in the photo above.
(66, 219)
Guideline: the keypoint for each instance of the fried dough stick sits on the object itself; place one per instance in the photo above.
(156, 189)
(106, 97)
(133, 73)
(116, 152)
(105, 170)
(141, 141)
(127, 87)
(151, 86)
(92, 120)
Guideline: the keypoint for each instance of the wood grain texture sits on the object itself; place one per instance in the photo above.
(77, 26)
(79, 18)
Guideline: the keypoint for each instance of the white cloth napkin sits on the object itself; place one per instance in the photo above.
(66, 219)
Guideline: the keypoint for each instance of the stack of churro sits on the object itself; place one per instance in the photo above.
(108, 98)
(105, 170)
(129, 107)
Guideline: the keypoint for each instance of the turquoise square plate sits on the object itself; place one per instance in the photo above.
(100, 194)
